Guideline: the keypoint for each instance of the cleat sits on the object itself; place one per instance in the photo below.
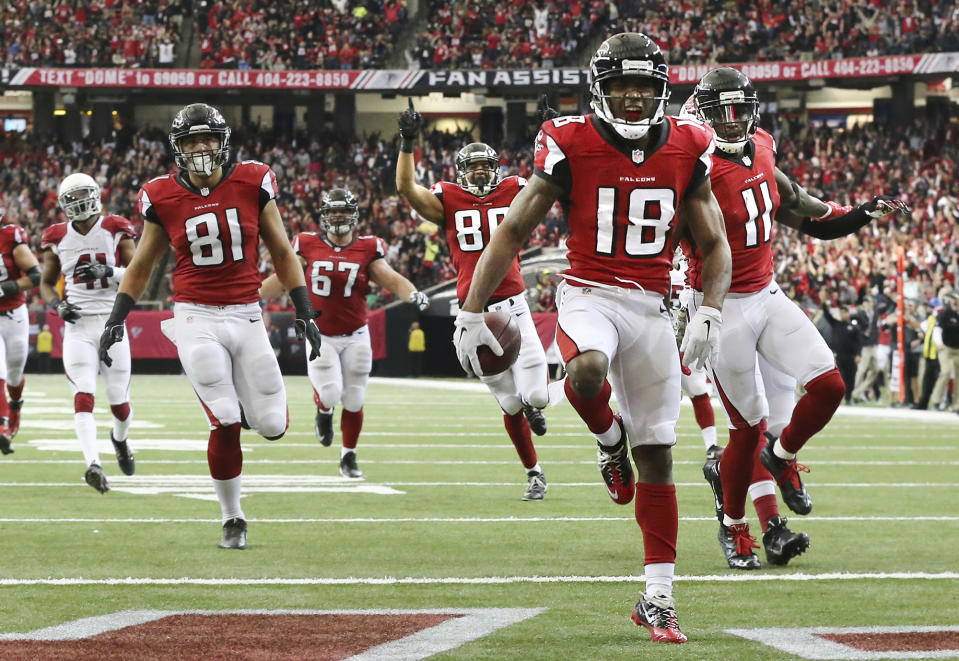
(711, 473)
(536, 419)
(5, 435)
(323, 428)
(616, 469)
(737, 545)
(14, 422)
(96, 478)
(658, 614)
(124, 456)
(536, 488)
(714, 452)
(234, 534)
(348, 466)
(781, 543)
(786, 474)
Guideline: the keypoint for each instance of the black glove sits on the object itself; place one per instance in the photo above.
(90, 271)
(68, 311)
(544, 111)
(9, 288)
(305, 320)
(410, 123)
(112, 333)
(882, 205)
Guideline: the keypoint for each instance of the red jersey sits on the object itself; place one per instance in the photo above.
(622, 203)
(338, 278)
(214, 232)
(470, 221)
(745, 187)
(11, 236)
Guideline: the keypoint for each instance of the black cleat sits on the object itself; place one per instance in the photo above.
(658, 614)
(714, 452)
(234, 534)
(536, 419)
(616, 469)
(124, 456)
(323, 428)
(96, 478)
(348, 466)
(6, 447)
(737, 545)
(786, 474)
(536, 488)
(711, 473)
(781, 543)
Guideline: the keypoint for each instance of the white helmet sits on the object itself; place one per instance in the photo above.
(79, 197)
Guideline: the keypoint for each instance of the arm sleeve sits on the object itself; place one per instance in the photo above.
(849, 223)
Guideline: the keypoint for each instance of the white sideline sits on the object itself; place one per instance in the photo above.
(482, 580)
(123, 482)
(807, 642)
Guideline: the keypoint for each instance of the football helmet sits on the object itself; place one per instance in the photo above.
(479, 181)
(635, 55)
(79, 197)
(339, 211)
(726, 100)
(199, 119)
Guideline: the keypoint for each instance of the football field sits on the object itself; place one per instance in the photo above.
(438, 526)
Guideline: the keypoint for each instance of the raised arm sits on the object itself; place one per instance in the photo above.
(421, 199)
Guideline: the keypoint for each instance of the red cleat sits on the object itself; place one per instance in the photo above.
(658, 614)
(614, 465)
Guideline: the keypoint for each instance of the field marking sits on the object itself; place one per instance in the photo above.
(807, 643)
(481, 580)
(454, 519)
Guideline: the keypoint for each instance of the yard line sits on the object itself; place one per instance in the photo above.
(481, 580)
(122, 481)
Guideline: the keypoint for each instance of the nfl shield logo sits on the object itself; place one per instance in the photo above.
(638, 156)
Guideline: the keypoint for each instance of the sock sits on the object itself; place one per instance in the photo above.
(228, 493)
(659, 578)
(533, 469)
(345, 451)
(86, 428)
(730, 521)
(4, 404)
(736, 469)
(351, 422)
(223, 454)
(595, 411)
(16, 391)
(709, 437)
(703, 410)
(658, 517)
(518, 429)
(121, 420)
(781, 452)
(813, 410)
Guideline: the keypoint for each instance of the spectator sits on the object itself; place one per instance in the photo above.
(846, 344)
(44, 349)
(417, 347)
(948, 350)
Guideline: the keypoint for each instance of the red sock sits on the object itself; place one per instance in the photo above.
(703, 410)
(120, 411)
(16, 392)
(4, 404)
(351, 422)
(594, 411)
(766, 508)
(518, 429)
(813, 410)
(658, 517)
(223, 453)
(736, 469)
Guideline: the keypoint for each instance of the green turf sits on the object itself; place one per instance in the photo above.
(445, 450)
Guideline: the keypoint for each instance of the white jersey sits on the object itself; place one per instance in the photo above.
(98, 245)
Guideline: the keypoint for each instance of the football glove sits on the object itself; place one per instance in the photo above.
(112, 333)
(90, 271)
(544, 111)
(701, 339)
(68, 311)
(420, 300)
(469, 333)
(305, 323)
(9, 288)
(884, 205)
(410, 123)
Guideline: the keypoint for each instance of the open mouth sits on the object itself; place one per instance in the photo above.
(634, 115)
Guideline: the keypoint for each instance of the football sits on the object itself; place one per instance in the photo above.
(506, 331)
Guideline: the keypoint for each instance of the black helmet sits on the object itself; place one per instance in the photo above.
(628, 54)
(726, 100)
(339, 211)
(195, 119)
(477, 152)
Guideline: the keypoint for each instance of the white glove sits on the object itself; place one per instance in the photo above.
(420, 300)
(469, 333)
(701, 339)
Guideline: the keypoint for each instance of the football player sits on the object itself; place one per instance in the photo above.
(760, 319)
(469, 210)
(625, 173)
(92, 251)
(214, 212)
(19, 273)
(339, 265)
